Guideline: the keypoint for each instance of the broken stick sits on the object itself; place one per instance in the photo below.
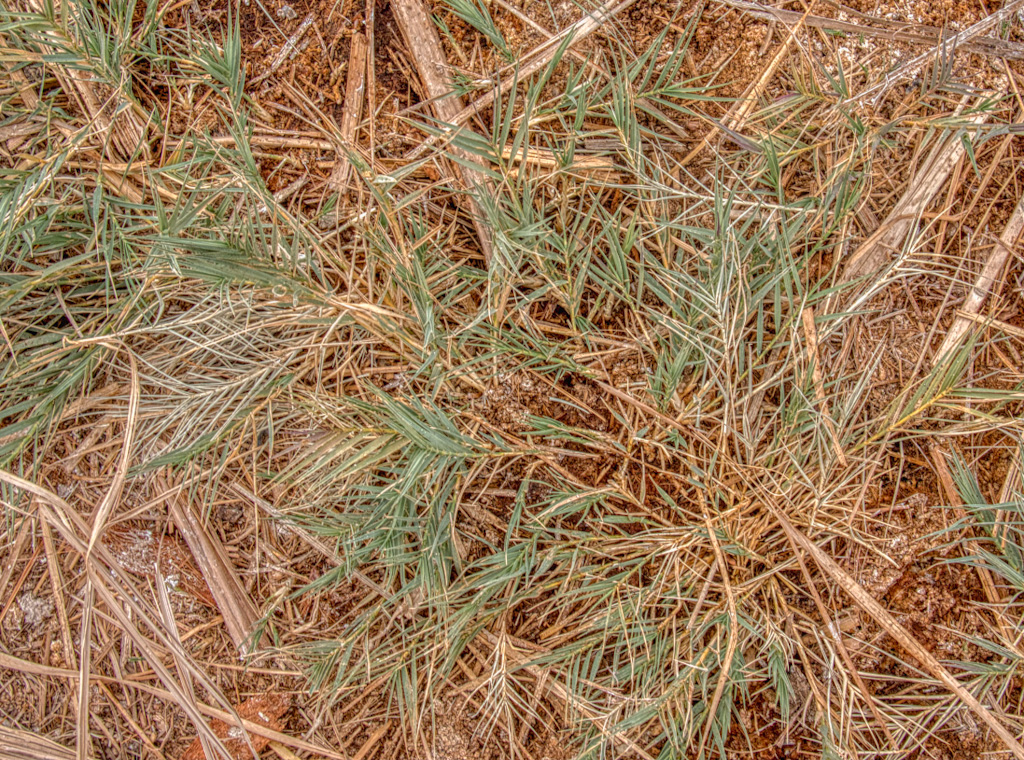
(425, 46)
(876, 250)
(890, 625)
(986, 282)
(239, 613)
(355, 89)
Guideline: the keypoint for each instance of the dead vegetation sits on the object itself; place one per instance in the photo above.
(520, 381)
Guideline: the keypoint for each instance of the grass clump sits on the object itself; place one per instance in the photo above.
(567, 481)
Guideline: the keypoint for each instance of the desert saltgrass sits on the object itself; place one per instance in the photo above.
(567, 480)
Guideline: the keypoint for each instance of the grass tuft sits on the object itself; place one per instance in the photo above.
(554, 480)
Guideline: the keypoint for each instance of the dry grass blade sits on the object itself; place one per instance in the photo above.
(113, 495)
(83, 743)
(730, 649)
(256, 727)
(811, 334)
(287, 48)
(210, 745)
(15, 663)
(25, 530)
(851, 668)
(881, 28)
(62, 517)
(988, 584)
(908, 69)
(140, 551)
(520, 500)
(565, 698)
(532, 62)
(989, 322)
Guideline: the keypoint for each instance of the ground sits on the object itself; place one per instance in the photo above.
(612, 571)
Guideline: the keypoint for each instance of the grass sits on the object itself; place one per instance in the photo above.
(556, 479)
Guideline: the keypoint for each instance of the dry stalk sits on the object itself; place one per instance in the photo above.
(890, 625)
(240, 615)
(355, 89)
(886, 29)
(425, 46)
(998, 324)
(72, 528)
(10, 662)
(83, 738)
(371, 77)
(531, 63)
(211, 745)
(18, 547)
(986, 283)
(14, 663)
(873, 252)
(126, 130)
(837, 637)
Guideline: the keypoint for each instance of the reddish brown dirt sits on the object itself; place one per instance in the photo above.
(904, 569)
